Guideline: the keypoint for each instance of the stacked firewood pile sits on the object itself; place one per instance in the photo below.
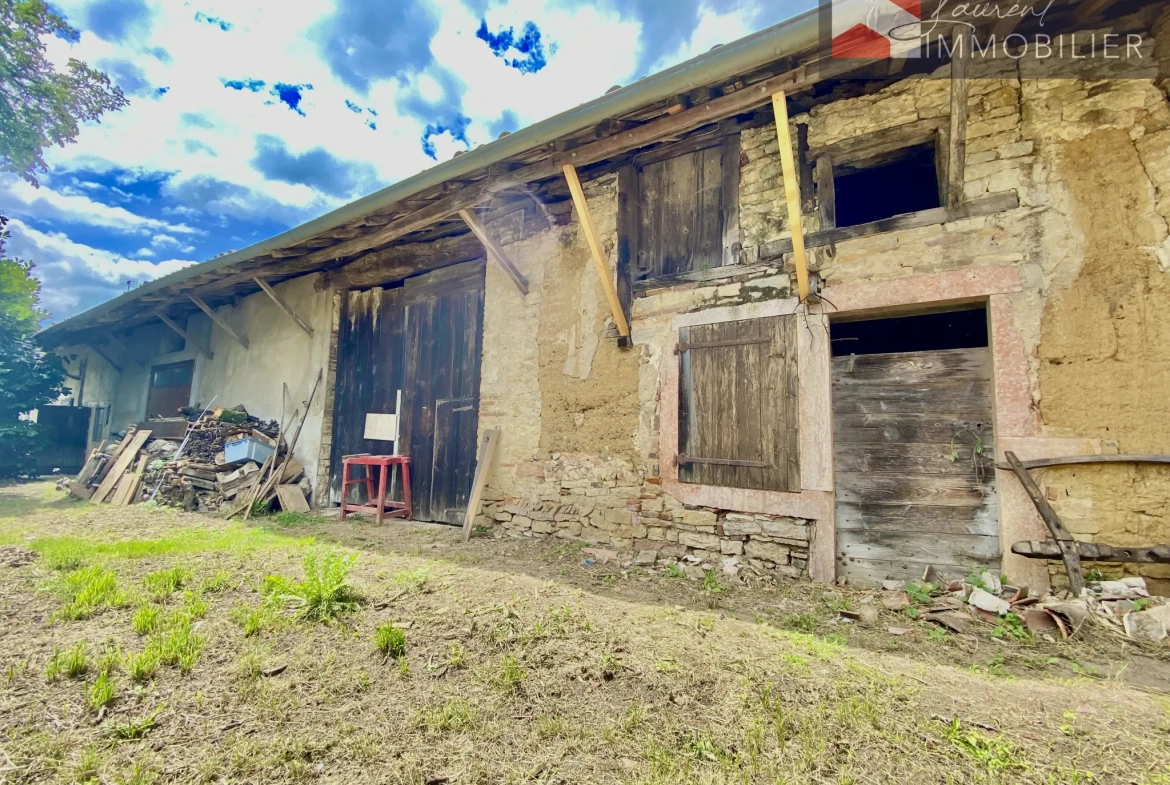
(194, 473)
(197, 479)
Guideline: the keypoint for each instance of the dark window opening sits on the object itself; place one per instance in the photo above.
(965, 329)
(906, 184)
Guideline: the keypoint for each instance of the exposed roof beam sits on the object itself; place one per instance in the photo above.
(282, 305)
(227, 328)
(106, 357)
(494, 250)
(1089, 9)
(123, 350)
(200, 347)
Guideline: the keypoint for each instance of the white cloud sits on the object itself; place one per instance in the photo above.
(92, 274)
(713, 29)
(68, 206)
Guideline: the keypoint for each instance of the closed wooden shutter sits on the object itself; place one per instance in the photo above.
(738, 404)
(688, 218)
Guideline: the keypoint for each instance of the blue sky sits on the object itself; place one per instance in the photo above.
(247, 118)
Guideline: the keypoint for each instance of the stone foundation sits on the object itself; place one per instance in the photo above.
(605, 501)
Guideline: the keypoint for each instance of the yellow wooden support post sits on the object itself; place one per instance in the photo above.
(615, 306)
(791, 192)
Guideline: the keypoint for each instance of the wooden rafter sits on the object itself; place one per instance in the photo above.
(283, 306)
(639, 130)
(169, 323)
(227, 328)
(494, 250)
(791, 192)
(586, 220)
(1089, 9)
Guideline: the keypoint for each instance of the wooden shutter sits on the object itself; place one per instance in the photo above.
(688, 218)
(738, 404)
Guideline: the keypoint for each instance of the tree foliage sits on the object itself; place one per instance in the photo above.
(40, 105)
(29, 377)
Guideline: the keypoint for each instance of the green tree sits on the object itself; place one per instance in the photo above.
(39, 105)
(29, 376)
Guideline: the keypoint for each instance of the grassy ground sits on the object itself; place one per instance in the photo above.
(147, 645)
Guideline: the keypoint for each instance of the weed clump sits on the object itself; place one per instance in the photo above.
(454, 715)
(73, 664)
(508, 677)
(390, 641)
(101, 693)
(142, 667)
(146, 619)
(324, 595)
(131, 730)
(90, 589)
(163, 583)
(177, 644)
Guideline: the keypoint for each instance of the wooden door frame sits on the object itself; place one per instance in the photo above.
(1014, 415)
(814, 500)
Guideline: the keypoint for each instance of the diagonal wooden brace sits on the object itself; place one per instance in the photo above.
(1064, 539)
(615, 306)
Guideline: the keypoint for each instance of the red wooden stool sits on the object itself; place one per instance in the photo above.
(380, 506)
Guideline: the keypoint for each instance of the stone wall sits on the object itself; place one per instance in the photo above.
(578, 457)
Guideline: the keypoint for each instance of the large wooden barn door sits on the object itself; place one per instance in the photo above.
(444, 317)
(370, 371)
(912, 489)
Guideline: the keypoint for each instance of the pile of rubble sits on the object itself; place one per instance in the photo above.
(192, 472)
(1124, 607)
(200, 479)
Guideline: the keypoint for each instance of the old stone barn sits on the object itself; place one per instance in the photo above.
(805, 347)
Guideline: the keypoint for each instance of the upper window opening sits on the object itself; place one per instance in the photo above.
(895, 184)
(965, 329)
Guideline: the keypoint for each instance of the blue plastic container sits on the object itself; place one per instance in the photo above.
(246, 449)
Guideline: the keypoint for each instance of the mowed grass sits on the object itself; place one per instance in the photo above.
(220, 652)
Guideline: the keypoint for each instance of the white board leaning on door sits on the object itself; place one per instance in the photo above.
(384, 427)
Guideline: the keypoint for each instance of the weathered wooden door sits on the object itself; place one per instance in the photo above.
(914, 454)
(170, 389)
(444, 317)
(370, 372)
